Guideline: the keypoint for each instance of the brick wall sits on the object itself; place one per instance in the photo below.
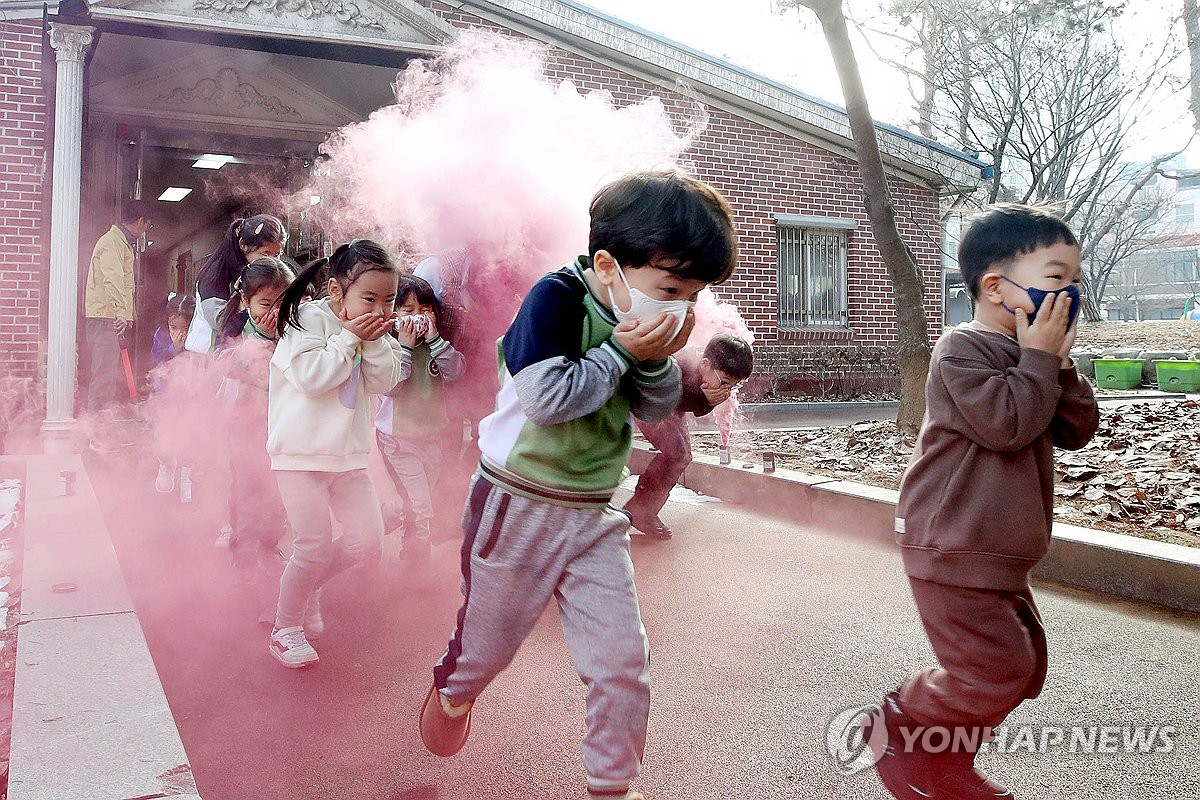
(22, 206)
(763, 173)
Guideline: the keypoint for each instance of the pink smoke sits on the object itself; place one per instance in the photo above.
(482, 150)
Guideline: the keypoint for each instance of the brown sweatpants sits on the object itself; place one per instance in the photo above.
(992, 650)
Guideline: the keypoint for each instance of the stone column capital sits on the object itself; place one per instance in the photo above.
(70, 42)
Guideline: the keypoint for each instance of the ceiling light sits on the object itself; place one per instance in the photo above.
(314, 199)
(173, 194)
(213, 161)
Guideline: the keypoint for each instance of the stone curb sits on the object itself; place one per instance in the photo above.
(751, 408)
(1139, 569)
(90, 717)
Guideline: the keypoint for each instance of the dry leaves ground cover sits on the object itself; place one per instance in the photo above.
(1140, 475)
(1155, 335)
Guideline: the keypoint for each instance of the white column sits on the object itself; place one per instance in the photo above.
(70, 43)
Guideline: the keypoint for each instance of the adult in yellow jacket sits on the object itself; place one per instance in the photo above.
(108, 301)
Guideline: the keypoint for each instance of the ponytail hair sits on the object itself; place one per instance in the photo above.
(347, 264)
(181, 305)
(222, 268)
(259, 273)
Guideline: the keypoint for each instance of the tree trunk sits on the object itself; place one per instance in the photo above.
(1191, 23)
(1091, 308)
(965, 108)
(925, 110)
(908, 285)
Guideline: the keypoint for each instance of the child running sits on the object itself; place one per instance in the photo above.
(246, 341)
(591, 344)
(166, 345)
(333, 355)
(976, 504)
(708, 380)
(412, 426)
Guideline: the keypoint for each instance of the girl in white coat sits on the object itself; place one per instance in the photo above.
(332, 357)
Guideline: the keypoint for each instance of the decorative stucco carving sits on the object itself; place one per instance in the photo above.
(70, 42)
(227, 92)
(345, 12)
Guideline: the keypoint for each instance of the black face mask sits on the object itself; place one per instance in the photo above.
(1038, 296)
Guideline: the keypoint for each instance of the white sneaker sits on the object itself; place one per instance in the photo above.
(224, 536)
(314, 625)
(185, 484)
(165, 482)
(291, 648)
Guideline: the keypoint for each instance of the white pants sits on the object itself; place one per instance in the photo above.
(309, 497)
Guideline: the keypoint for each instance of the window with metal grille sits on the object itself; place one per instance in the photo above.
(812, 277)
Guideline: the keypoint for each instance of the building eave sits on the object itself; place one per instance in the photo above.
(11, 10)
(421, 31)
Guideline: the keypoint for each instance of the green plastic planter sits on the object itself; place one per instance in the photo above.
(1118, 373)
(1178, 376)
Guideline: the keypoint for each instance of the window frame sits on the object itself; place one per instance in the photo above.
(797, 238)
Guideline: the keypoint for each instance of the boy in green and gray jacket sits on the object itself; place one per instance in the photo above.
(591, 344)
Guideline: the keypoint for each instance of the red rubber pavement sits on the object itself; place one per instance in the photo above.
(760, 632)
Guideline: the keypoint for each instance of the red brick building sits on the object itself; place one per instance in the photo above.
(117, 98)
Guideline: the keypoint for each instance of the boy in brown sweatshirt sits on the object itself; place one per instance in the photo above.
(976, 504)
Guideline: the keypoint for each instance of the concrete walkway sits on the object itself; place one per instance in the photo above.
(89, 715)
(760, 631)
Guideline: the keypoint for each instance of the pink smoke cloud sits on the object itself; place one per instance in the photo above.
(482, 150)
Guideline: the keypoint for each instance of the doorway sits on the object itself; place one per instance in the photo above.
(199, 183)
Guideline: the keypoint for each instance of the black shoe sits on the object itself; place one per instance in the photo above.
(907, 774)
(959, 779)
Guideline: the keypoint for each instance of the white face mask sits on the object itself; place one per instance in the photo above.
(643, 307)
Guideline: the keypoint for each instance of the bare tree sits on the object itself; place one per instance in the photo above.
(1048, 93)
(908, 285)
(1191, 22)
(1120, 222)
(1127, 231)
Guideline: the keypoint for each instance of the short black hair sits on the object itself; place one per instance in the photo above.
(731, 354)
(419, 288)
(665, 214)
(133, 210)
(1000, 233)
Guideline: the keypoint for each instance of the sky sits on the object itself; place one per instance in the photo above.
(788, 46)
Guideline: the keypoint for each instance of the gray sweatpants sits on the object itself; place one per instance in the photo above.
(309, 497)
(518, 554)
(414, 466)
